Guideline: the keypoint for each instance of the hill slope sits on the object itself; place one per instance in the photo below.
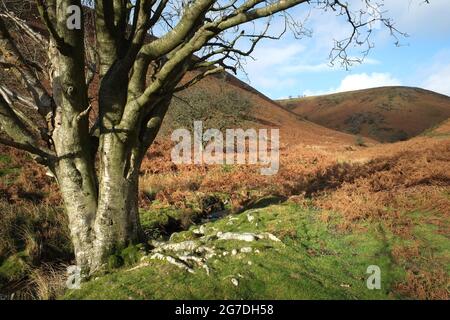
(386, 114)
(267, 113)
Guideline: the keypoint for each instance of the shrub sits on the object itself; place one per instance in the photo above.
(226, 109)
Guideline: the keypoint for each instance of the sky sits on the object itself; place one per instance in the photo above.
(296, 67)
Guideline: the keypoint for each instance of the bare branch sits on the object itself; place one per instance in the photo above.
(22, 24)
(14, 58)
(198, 78)
(21, 137)
(47, 10)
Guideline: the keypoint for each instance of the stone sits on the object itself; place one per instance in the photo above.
(248, 237)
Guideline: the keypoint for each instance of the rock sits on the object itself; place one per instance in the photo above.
(206, 268)
(246, 250)
(246, 236)
(250, 218)
(235, 282)
(200, 231)
(249, 237)
(234, 252)
(266, 235)
(189, 245)
(172, 260)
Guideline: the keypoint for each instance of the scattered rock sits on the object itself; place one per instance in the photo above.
(189, 245)
(246, 236)
(173, 261)
(266, 235)
(200, 231)
(188, 254)
(249, 237)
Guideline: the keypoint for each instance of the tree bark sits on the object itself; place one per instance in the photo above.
(101, 227)
(117, 221)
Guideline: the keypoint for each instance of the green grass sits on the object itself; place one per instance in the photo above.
(8, 172)
(5, 159)
(434, 242)
(15, 267)
(314, 261)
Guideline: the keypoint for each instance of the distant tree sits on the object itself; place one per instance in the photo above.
(220, 110)
(135, 75)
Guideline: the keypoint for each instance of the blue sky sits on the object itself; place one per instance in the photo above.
(292, 67)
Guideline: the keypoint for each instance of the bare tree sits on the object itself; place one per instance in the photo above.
(139, 51)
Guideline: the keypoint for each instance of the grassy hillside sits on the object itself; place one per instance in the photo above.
(315, 259)
(346, 211)
(239, 105)
(386, 114)
(347, 208)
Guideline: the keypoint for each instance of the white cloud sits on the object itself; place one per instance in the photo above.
(434, 73)
(270, 57)
(439, 81)
(365, 81)
(360, 81)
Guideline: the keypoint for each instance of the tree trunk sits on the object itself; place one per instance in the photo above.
(81, 208)
(117, 221)
(104, 223)
(115, 224)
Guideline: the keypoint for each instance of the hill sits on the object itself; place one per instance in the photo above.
(386, 114)
(262, 112)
